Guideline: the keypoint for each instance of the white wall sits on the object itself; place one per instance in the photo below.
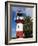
(2, 23)
(37, 22)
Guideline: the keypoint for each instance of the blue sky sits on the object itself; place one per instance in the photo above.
(14, 10)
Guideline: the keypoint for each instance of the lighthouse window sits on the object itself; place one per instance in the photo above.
(18, 26)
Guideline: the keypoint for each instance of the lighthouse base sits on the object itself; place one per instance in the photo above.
(19, 34)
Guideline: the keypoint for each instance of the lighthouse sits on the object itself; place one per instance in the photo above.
(19, 25)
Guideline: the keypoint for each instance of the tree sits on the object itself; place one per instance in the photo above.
(27, 26)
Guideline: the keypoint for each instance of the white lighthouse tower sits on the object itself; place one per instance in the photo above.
(19, 25)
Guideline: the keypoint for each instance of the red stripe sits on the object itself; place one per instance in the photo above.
(19, 34)
(20, 21)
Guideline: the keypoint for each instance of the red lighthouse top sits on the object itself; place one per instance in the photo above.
(20, 18)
